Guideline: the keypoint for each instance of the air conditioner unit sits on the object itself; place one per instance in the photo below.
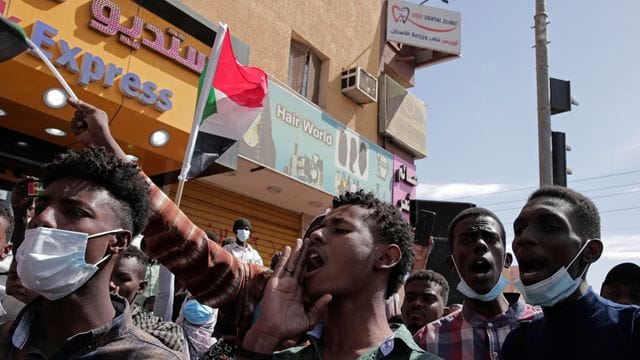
(359, 85)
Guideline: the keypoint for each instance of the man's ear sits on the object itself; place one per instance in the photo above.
(120, 242)
(508, 260)
(389, 256)
(141, 286)
(592, 251)
(6, 250)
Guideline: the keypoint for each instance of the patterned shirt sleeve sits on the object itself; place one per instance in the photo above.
(169, 333)
(212, 275)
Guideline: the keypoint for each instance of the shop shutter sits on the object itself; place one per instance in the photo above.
(215, 209)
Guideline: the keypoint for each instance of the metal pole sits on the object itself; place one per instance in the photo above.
(209, 74)
(544, 106)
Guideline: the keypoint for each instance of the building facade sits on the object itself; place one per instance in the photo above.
(337, 116)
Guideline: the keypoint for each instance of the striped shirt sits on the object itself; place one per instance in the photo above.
(211, 274)
(466, 335)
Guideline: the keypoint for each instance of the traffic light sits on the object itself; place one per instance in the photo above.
(559, 158)
(560, 96)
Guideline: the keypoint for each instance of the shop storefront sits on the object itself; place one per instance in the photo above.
(143, 70)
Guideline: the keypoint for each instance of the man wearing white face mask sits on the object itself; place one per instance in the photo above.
(478, 255)
(241, 249)
(91, 206)
(557, 237)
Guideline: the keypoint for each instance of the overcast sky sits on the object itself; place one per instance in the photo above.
(482, 122)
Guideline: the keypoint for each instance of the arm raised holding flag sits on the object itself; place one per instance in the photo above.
(213, 275)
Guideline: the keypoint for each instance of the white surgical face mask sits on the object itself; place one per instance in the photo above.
(243, 234)
(491, 295)
(52, 262)
(553, 289)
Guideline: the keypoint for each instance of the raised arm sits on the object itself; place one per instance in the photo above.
(211, 274)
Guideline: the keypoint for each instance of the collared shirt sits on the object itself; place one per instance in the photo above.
(169, 333)
(213, 275)
(246, 254)
(465, 334)
(590, 327)
(118, 339)
(400, 346)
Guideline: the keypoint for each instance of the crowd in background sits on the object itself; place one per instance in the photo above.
(102, 264)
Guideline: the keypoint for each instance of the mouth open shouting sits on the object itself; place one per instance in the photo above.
(532, 271)
(315, 261)
(481, 268)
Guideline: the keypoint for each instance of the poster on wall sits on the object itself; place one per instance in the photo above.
(296, 138)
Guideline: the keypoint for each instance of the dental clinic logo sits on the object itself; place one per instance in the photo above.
(403, 14)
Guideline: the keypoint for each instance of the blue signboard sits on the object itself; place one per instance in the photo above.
(300, 140)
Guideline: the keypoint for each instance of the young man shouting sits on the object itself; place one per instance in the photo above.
(557, 238)
(478, 255)
(357, 257)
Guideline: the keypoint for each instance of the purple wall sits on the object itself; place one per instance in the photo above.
(402, 188)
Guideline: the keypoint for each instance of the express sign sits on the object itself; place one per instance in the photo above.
(92, 68)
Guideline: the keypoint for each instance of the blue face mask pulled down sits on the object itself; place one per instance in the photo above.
(467, 291)
(197, 313)
(553, 289)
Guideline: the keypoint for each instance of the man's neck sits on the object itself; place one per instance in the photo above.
(488, 309)
(354, 325)
(241, 243)
(88, 308)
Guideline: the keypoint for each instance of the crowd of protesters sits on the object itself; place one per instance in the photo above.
(77, 282)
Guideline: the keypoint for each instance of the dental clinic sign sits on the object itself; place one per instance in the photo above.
(423, 27)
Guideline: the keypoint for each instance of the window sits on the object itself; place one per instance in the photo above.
(304, 71)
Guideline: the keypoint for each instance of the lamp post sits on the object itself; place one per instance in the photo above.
(544, 107)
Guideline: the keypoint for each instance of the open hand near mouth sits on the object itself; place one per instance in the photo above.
(282, 312)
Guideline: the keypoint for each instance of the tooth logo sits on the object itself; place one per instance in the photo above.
(401, 14)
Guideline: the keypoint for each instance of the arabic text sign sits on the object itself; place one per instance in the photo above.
(423, 26)
(154, 36)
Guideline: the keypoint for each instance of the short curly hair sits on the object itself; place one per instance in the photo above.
(584, 210)
(142, 260)
(6, 215)
(123, 180)
(433, 277)
(387, 226)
